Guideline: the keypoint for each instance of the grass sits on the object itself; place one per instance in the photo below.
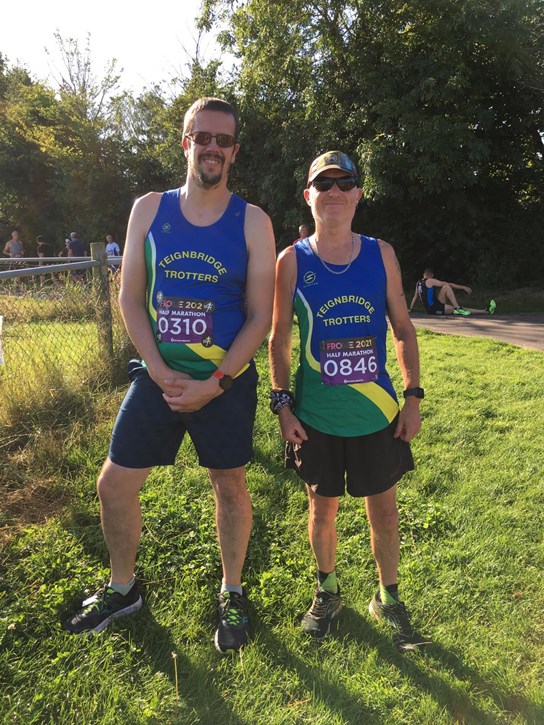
(471, 573)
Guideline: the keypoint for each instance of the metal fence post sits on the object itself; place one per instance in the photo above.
(103, 308)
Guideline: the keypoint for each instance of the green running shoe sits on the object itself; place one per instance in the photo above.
(102, 608)
(395, 615)
(232, 630)
(491, 307)
(325, 607)
(459, 311)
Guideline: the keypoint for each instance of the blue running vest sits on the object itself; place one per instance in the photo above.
(196, 283)
(343, 332)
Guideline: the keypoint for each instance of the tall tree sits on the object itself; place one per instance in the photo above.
(440, 103)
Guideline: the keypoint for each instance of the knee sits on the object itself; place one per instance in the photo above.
(385, 520)
(324, 513)
(114, 488)
(230, 489)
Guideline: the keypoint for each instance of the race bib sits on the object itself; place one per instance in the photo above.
(349, 360)
(184, 320)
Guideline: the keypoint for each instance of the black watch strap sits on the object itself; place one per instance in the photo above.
(415, 392)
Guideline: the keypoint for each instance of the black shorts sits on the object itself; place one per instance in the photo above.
(148, 433)
(371, 463)
(437, 308)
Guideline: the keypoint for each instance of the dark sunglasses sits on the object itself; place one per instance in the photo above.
(203, 138)
(325, 183)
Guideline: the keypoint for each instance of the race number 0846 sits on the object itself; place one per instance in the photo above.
(346, 368)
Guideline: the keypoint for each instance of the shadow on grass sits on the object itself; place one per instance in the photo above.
(357, 628)
(156, 645)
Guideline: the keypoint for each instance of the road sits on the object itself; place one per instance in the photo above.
(523, 329)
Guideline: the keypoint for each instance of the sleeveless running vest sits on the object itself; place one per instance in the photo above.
(342, 385)
(196, 282)
(425, 294)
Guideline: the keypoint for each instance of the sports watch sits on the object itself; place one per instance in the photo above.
(416, 392)
(225, 381)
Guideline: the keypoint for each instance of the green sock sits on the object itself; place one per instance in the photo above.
(327, 582)
(386, 596)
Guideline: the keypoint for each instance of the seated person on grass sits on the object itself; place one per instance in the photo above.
(438, 297)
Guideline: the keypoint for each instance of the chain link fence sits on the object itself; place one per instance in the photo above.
(60, 321)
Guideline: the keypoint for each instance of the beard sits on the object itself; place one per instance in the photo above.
(205, 179)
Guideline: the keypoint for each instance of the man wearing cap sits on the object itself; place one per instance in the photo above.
(342, 425)
(197, 283)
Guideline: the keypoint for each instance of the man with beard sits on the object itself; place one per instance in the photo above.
(196, 298)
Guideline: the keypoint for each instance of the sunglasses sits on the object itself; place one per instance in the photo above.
(203, 138)
(325, 183)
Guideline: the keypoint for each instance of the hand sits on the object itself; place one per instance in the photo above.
(468, 290)
(166, 378)
(409, 421)
(292, 430)
(191, 395)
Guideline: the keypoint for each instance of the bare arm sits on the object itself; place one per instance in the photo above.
(414, 299)
(280, 344)
(405, 341)
(439, 283)
(132, 298)
(259, 297)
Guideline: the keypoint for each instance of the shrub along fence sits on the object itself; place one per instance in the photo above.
(59, 320)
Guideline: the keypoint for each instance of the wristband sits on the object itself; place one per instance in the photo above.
(280, 399)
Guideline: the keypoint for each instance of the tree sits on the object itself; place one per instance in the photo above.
(440, 104)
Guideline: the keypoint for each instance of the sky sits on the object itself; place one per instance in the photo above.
(150, 47)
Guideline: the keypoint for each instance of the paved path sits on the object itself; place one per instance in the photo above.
(523, 329)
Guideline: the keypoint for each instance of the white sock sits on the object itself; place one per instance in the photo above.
(231, 588)
(122, 589)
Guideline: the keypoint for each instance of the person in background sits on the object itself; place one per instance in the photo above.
(14, 247)
(43, 248)
(112, 250)
(76, 248)
(303, 233)
(438, 297)
(342, 424)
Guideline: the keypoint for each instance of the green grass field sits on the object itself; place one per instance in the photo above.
(471, 572)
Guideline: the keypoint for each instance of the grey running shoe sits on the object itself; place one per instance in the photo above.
(491, 307)
(325, 607)
(460, 312)
(232, 630)
(396, 616)
(102, 608)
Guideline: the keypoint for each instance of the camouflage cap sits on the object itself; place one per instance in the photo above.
(331, 160)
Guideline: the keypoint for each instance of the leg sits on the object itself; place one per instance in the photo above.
(326, 605)
(233, 517)
(446, 294)
(384, 534)
(322, 529)
(118, 489)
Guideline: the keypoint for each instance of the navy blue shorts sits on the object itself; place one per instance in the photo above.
(370, 464)
(148, 433)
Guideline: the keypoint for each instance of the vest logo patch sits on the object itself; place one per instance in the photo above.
(309, 278)
(166, 227)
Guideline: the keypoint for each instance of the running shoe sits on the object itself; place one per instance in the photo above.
(396, 616)
(491, 307)
(325, 607)
(102, 608)
(232, 630)
(461, 312)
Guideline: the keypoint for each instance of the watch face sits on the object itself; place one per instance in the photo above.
(226, 382)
